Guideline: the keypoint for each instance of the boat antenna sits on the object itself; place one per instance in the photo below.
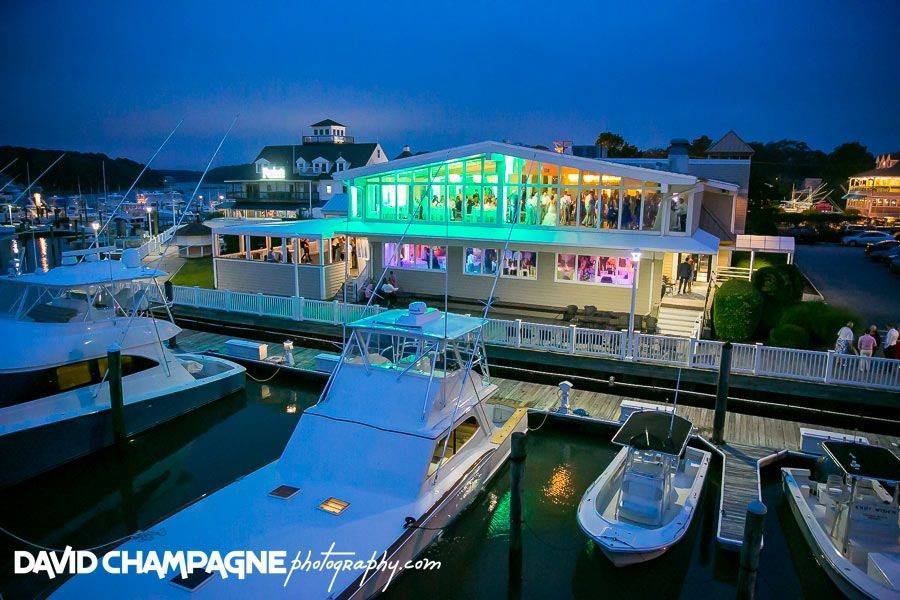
(38, 178)
(480, 331)
(384, 270)
(675, 402)
(164, 248)
(11, 179)
(103, 226)
(9, 164)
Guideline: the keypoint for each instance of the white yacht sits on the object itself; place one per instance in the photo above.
(57, 327)
(642, 504)
(400, 443)
(850, 521)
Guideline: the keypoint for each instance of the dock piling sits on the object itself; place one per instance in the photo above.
(722, 394)
(516, 469)
(750, 549)
(116, 398)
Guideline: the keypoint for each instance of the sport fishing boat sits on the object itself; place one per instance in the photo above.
(57, 327)
(400, 442)
(850, 521)
(643, 502)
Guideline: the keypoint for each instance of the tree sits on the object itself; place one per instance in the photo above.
(699, 146)
(616, 146)
(842, 163)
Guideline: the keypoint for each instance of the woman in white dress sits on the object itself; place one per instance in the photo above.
(548, 201)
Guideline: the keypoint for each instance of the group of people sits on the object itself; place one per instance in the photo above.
(868, 344)
(386, 293)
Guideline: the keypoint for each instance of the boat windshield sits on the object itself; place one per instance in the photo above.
(65, 305)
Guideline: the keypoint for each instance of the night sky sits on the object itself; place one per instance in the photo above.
(115, 77)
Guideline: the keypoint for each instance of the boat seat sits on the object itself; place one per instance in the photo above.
(641, 500)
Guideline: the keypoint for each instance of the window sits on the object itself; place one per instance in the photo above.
(463, 432)
(327, 189)
(519, 264)
(594, 270)
(33, 385)
(415, 256)
(480, 261)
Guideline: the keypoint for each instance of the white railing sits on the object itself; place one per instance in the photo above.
(155, 244)
(746, 359)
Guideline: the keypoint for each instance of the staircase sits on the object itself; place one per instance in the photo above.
(682, 321)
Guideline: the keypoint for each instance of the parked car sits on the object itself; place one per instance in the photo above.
(889, 255)
(895, 264)
(881, 249)
(866, 237)
(804, 234)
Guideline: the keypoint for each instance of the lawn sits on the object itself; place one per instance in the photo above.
(195, 272)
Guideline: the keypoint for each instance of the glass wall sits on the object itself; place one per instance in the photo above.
(594, 270)
(420, 257)
(516, 264)
(494, 189)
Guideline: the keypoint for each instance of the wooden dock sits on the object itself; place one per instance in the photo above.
(752, 440)
(204, 342)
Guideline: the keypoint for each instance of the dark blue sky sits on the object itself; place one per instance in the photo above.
(115, 77)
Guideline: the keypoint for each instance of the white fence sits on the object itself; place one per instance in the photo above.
(155, 244)
(747, 359)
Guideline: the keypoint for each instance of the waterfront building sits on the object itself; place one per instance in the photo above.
(289, 181)
(876, 193)
(574, 225)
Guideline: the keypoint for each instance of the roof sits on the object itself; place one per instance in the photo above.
(286, 156)
(892, 171)
(864, 461)
(655, 430)
(270, 205)
(327, 123)
(431, 324)
(194, 228)
(490, 147)
(730, 143)
(552, 239)
(336, 205)
(85, 273)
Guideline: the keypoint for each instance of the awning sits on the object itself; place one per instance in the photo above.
(259, 205)
(864, 461)
(656, 431)
(522, 237)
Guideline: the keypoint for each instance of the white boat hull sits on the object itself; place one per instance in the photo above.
(625, 543)
(852, 581)
(454, 503)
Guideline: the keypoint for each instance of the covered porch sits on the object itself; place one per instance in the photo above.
(312, 261)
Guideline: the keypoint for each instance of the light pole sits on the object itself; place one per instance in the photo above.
(149, 222)
(96, 227)
(635, 263)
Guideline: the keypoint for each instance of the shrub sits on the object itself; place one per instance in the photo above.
(796, 279)
(737, 308)
(775, 286)
(821, 321)
(787, 335)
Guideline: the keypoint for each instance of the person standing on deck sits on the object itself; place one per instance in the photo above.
(866, 344)
(845, 337)
(890, 341)
(685, 270)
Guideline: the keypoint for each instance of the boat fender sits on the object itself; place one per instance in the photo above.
(581, 412)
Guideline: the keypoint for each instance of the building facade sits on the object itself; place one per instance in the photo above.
(290, 181)
(876, 193)
(576, 231)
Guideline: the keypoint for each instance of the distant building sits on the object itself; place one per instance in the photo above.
(289, 181)
(194, 240)
(876, 193)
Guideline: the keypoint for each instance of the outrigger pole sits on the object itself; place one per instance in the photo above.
(103, 226)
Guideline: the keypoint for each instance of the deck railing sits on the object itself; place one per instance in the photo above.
(747, 359)
(155, 244)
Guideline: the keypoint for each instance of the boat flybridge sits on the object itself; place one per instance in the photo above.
(401, 441)
(850, 520)
(57, 327)
(643, 502)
